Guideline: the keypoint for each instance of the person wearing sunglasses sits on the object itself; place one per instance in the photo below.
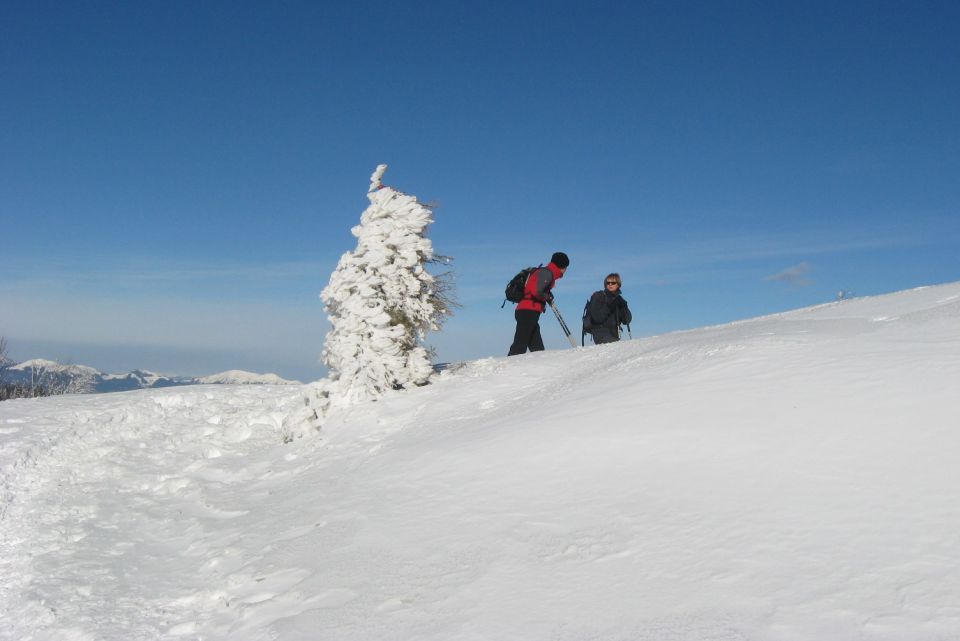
(537, 295)
(607, 310)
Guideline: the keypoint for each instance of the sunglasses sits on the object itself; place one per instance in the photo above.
(612, 282)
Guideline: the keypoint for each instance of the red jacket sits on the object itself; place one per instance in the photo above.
(536, 292)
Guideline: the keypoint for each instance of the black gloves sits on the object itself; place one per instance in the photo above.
(548, 297)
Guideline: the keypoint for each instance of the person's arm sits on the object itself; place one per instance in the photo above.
(541, 289)
(625, 315)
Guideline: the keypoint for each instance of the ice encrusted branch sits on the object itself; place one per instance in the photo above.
(376, 178)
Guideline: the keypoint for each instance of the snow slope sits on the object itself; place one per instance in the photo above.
(791, 477)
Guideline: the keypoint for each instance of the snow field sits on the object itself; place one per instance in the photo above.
(783, 478)
(124, 487)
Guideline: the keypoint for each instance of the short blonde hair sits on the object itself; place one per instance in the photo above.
(615, 277)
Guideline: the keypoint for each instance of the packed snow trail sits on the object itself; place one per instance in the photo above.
(783, 478)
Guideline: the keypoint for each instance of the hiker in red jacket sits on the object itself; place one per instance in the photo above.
(536, 297)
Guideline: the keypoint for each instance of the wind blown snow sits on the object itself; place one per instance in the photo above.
(791, 477)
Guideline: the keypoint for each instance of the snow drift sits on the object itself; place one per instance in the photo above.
(791, 477)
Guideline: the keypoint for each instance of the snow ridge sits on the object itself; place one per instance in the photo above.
(240, 377)
(84, 379)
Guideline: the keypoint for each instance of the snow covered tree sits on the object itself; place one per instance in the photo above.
(381, 300)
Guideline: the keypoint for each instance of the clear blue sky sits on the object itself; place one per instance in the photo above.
(178, 179)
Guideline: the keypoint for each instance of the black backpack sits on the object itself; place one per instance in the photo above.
(515, 288)
(587, 324)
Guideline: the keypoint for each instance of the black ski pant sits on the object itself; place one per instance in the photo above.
(603, 335)
(527, 335)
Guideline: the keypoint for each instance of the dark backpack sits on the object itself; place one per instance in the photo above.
(587, 324)
(515, 289)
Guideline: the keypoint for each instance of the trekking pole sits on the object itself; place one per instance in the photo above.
(563, 325)
(628, 331)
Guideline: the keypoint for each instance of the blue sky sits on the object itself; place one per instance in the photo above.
(178, 179)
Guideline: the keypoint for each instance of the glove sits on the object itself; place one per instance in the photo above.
(548, 298)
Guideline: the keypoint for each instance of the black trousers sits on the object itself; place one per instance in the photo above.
(604, 335)
(527, 335)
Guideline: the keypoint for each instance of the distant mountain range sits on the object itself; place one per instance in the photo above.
(84, 379)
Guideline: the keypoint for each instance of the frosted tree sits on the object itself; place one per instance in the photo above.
(381, 300)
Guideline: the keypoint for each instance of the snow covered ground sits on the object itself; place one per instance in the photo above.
(786, 478)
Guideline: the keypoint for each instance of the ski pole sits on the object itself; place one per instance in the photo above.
(563, 325)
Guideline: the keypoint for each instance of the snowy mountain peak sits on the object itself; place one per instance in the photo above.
(35, 363)
(84, 379)
(240, 377)
(41, 364)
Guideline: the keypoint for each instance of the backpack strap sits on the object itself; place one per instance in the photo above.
(533, 270)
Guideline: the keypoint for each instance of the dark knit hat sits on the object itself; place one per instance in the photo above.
(560, 260)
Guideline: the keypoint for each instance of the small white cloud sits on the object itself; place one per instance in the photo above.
(793, 275)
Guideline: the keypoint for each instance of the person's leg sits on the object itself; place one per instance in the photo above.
(536, 340)
(603, 335)
(526, 325)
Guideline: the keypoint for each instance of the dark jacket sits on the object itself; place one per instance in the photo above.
(608, 311)
(536, 293)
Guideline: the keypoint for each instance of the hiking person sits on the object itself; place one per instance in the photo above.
(607, 310)
(537, 295)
